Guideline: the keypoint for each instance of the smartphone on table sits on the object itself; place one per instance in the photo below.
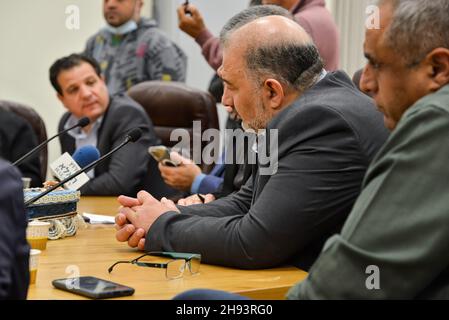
(93, 287)
(162, 154)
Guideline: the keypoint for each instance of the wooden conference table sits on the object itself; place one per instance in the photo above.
(91, 251)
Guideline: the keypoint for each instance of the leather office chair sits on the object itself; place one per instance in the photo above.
(173, 105)
(38, 125)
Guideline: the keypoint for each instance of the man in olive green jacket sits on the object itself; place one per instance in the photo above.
(394, 243)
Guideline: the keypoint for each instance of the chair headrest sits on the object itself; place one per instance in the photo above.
(36, 122)
(173, 104)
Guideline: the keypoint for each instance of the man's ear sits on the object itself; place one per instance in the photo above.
(438, 60)
(61, 98)
(273, 94)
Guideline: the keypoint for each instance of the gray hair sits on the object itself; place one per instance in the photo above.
(296, 65)
(248, 15)
(417, 28)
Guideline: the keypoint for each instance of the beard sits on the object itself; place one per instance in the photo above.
(261, 118)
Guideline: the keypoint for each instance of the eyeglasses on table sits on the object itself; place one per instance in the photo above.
(173, 269)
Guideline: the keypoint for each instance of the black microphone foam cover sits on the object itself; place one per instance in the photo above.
(83, 122)
(134, 134)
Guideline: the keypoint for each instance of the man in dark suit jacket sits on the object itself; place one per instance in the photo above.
(83, 92)
(327, 133)
(17, 138)
(14, 249)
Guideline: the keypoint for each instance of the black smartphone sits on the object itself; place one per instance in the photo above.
(162, 154)
(93, 287)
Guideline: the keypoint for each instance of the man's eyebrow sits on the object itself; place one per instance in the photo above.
(220, 75)
(70, 87)
(369, 57)
(224, 80)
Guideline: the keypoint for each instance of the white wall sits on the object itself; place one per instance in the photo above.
(350, 17)
(36, 37)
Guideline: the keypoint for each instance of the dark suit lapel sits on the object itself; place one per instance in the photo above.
(100, 142)
(66, 139)
(69, 142)
(103, 138)
(255, 177)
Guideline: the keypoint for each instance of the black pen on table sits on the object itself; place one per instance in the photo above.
(201, 197)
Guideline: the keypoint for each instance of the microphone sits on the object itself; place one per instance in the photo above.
(86, 155)
(66, 165)
(131, 136)
(81, 123)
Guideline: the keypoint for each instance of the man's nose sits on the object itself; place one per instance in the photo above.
(85, 92)
(227, 100)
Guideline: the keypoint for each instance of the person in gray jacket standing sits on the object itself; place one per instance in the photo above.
(131, 49)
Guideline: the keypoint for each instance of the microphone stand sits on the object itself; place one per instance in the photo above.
(43, 144)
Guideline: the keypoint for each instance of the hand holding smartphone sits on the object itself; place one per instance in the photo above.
(162, 154)
(93, 287)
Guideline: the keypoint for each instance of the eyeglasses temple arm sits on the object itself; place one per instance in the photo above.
(152, 265)
(118, 262)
